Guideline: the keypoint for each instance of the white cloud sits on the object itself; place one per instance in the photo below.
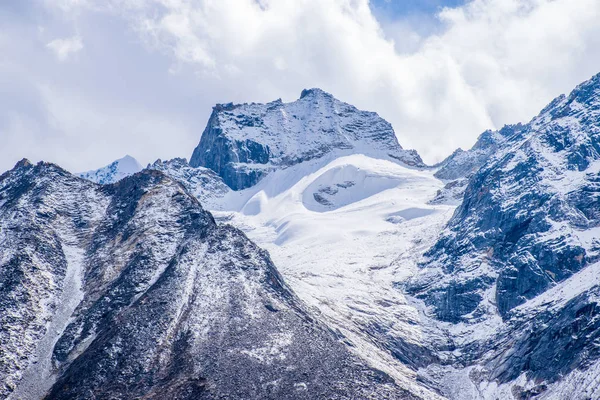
(492, 62)
(482, 65)
(76, 132)
(63, 48)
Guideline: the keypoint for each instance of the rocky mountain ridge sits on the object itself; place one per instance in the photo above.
(527, 227)
(202, 183)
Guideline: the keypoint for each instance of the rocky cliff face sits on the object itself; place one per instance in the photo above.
(524, 214)
(527, 227)
(131, 290)
(244, 142)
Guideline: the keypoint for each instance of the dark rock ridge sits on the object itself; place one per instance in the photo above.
(244, 142)
(131, 290)
(528, 224)
(567, 335)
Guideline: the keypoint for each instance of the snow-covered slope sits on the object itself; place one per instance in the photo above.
(342, 232)
(509, 285)
(114, 171)
(131, 290)
(244, 142)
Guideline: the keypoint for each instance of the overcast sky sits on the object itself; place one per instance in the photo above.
(83, 82)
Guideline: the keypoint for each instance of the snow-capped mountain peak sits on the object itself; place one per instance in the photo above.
(244, 142)
(203, 183)
(23, 163)
(114, 171)
(527, 229)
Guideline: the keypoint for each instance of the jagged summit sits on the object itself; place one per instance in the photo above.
(586, 93)
(23, 163)
(566, 124)
(554, 122)
(176, 160)
(315, 92)
(463, 163)
(203, 183)
(244, 142)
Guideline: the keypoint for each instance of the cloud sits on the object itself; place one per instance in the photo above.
(63, 48)
(117, 99)
(490, 62)
(440, 80)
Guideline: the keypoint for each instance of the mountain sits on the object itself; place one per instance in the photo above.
(534, 198)
(244, 142)
(478, 278)
(517, 265)
(202, 183)
(114, 171)
(132, 290)
(501, 304)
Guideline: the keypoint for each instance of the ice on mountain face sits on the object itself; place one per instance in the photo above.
(135, 282)
(343, 185)
(244, 142)
(344, 257)
(114, 171)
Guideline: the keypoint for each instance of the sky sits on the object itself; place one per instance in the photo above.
(84, 82)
